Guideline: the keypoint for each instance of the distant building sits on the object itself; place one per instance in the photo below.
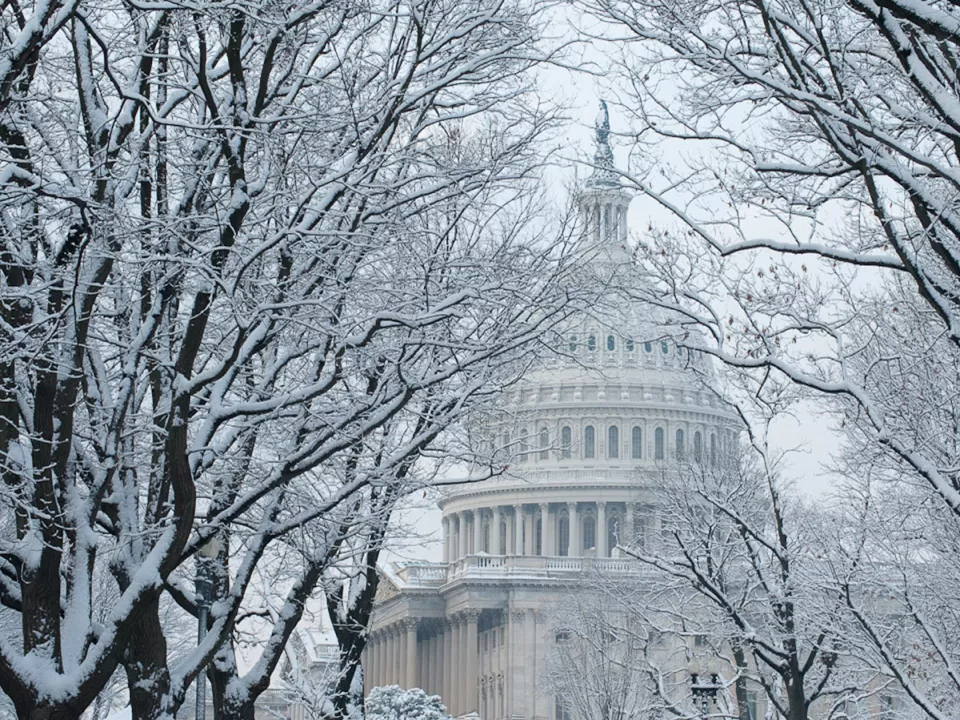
(587, 433)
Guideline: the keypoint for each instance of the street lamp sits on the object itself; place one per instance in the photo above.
(204, 591)
(705, 692)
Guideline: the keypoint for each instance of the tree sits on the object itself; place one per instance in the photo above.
(815, 238)
(741, 582)
(238, 242)
(597, 668)
(390, 702)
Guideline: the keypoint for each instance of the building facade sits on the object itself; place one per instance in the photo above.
(588, 435)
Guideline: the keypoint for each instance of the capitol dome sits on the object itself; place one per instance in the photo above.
(585, 437)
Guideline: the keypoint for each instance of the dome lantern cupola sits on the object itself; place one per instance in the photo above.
(603, 199)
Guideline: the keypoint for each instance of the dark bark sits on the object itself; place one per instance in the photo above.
(145, 662)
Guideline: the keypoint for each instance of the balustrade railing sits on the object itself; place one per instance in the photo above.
(479, 566)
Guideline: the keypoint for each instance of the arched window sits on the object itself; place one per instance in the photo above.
(697, 446)
(524, 445)
(664, 348)
(613, 533)
(611, 343)
(658, 444)
(573, 343)
(544, 443)
(589, 532)
(713, 449)
(636, 443)
(680, 448)
(648, 347)
(589, 442)
(563, 533)
(506, 441)
(613, 442)
(566, 440)
(592, 343)
(630, 347)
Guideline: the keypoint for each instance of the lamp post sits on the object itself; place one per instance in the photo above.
(705, 692)
(204, 590)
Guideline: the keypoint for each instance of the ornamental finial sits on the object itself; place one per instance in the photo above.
(604, 174)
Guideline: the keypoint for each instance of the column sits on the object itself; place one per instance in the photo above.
(545, 546)
(397, 641)
(462, 543)
(402, 655)
(573, 521)
(448, 662)
(516, 697)
(531, 539)
(445, 525)
(435, 667)
(477, 531)
(410, 642)
(495, 547)
(473, 668)
(530, 643)
(458, 661)
(518, 530)
(627, 535)
(602, 550)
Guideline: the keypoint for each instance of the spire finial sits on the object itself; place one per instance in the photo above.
(604, 174)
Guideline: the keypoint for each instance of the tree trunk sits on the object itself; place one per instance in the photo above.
(57, 712)
(145, 661)
(743, 709)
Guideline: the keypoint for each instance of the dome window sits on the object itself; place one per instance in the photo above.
(611, 343)
(636, 443)
(648, 347)
(664, 348)
(697, 446)
(613, 442)
(680, 448)
(566, 440)
(658, 444)
(592, 343)
(630, 347)
(544, 443)
(573, 343)
(589, 442)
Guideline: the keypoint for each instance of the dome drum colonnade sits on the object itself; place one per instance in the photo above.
(559, 529)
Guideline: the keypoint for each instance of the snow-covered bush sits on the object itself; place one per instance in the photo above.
(391, 702)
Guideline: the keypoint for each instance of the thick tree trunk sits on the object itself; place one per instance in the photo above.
(145, 661)
(57, 712)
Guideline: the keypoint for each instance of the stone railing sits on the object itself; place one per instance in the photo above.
(492, 566)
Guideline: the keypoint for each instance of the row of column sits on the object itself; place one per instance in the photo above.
(463, 531)
(440, 656)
